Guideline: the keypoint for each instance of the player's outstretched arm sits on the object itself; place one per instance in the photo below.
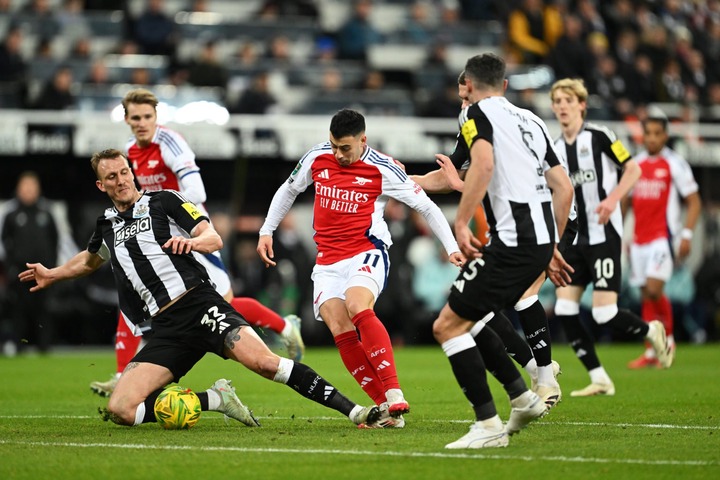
(84, 263)
(631, 174)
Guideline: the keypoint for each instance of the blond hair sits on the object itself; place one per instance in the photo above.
(139, 96)
(571, 86)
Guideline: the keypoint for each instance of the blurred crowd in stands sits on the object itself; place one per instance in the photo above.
(395, 57)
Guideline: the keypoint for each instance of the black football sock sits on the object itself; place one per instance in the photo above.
(535, 325)
(629, 324)
(150, 406)
(498, 363)
(309, 384)
(469, 369)
(515, 344)
(580, 341)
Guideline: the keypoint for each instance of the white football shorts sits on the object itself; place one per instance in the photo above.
(367, 269)
(650, 260)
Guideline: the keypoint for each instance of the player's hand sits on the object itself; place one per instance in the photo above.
(179, 245)
(399, 164)
(605, 209)
(684, 249)
(469, 244)
(38, 273)
(558, 270)
(457, 259)
(265, 250)
(449, 171)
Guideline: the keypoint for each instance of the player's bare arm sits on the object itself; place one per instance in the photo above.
(562, 195)
(204, 239)
(478, 178)
(631, 174)
(265, 250)
(694, 205)
(82, 264)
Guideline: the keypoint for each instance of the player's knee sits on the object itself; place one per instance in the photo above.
(565, 307)
(121, 412)
(604, 314)
(265, 365)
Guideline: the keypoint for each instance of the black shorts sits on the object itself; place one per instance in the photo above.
(186, 331)
(498, 279)
(597, 264)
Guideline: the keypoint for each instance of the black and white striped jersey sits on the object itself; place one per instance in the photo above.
(595, 162)
(518, 203)
(147, 276)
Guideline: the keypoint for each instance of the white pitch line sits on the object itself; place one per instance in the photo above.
(317, 451)
(468, 421)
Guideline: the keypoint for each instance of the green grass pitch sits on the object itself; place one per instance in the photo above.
(660, 424)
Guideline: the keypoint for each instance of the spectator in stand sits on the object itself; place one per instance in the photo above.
(56, 94)
(417, 29)
(278, 50)
(591, 19)
(325, 51)
(81, 49)
(611, 87)
(13, 69)
(358, 33)
(374, 80)
(141, 77)
(671, 87)
(45, 23)
(695, 76)
(247, 55)
(256, 99)
(99, 75)
(72, 21)
(272, 10)
(533, 29)
(641, 83)
(207, 70)
(625, 52)
(570, 57)
(654, 44)
(154, 31)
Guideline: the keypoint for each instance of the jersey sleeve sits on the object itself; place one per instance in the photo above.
(180, 209)
(474, 125)
(682, 176)
(180, 158)
(460, 157)
(400, 187)
(611, 146)
(298, 181)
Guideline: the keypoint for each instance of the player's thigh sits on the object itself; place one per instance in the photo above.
(335, 315)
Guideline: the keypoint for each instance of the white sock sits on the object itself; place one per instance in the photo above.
(671, 340)
(531, 368)
(546, 377)
(139, 414)
(214, 400)
(599, 375)
(286, 329)
(493, 423)
(353, 413)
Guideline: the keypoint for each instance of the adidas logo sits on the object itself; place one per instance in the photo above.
(383, 364)
(460, 285)
(601, 283)
(120, 346)
(539, 345)
(324, 174)
(365, 268)
(365, 381)
(581, 353)
(328, 391)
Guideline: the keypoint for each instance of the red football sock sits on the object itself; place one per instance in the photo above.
(378, 347)
(356, 362)
(663, 308)
(257, 314)
(647, 311)
(126, 344)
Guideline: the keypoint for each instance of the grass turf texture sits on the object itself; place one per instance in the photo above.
(660, 424)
